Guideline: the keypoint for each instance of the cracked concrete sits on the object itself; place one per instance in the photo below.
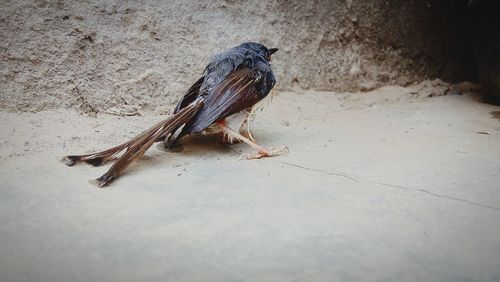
(394, 186)
(386, 186)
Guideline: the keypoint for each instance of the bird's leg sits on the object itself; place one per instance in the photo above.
(245, 126)
(244, 117)
(261, 151)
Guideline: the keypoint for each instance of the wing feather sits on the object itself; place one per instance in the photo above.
(237, 92)
(190, 96)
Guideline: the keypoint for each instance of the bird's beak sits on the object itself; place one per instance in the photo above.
(270, 52)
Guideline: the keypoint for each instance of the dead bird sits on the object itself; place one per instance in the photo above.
(232, 83)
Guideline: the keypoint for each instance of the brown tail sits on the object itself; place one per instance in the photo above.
(137, 146)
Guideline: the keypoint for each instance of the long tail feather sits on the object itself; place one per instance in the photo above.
(137, 149)
(137, 146)
(101, 157)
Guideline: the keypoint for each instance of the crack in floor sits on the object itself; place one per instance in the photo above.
(322, 171)
(393, 185)
(438, 195)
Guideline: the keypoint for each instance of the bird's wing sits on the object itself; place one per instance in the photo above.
(238, 91)
(220, 66)
(190, 95)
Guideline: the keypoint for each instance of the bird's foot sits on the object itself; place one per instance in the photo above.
(264, 153)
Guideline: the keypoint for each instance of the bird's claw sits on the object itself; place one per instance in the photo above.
(266, 153)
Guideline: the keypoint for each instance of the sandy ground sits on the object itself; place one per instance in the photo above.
(377, 186)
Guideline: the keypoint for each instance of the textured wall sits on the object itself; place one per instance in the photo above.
(95, 55)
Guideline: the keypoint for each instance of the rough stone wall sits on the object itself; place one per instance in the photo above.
(96, 55)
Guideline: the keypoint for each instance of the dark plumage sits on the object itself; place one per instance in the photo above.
(232, 82)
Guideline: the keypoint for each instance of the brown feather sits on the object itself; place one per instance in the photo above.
(137, 149)
(190, 96)
(237, 92)
(101, 157)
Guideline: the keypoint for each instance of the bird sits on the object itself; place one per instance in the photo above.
(232, 83)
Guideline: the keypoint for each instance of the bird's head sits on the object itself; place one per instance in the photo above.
(259, 49)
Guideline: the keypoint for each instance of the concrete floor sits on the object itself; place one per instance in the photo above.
(374, 188)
